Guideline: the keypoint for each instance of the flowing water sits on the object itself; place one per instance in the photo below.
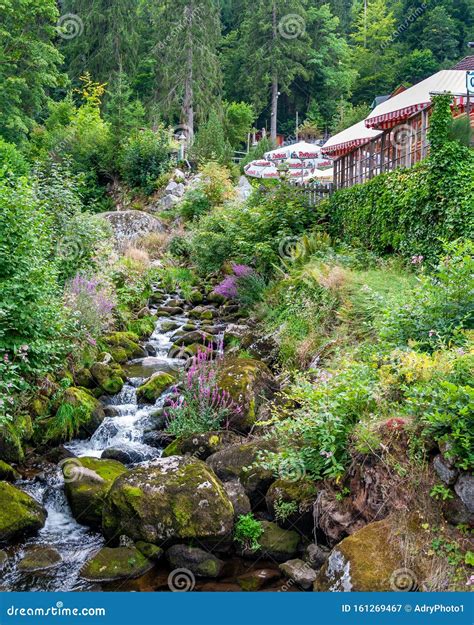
(124, 429)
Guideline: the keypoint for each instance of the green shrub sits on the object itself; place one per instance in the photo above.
(440, 306)
(247, 532)
(144, 158)
(194, 205)
(12, 160)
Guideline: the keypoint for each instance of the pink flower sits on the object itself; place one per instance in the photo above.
(417, 260)
(470, 581)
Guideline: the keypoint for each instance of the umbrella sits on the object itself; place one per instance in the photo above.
(300, 150)
(261, 169)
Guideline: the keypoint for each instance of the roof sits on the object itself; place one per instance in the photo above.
(466, 64)
(417, 98)
(378, 100)
(350, 138)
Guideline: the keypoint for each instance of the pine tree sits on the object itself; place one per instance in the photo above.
(28, 63)
(275, 48)
(189, 74)
(440, 35)
(123, 111)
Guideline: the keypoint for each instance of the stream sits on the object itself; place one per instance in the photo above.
(124, 428)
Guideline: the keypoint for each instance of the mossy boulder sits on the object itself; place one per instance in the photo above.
(8, 473)
(201, 445)
(143, 327)
(241, 462)
(194, 337)
(238, 497)
(84, 379)
(152, 388)
(87, 482)
(39, 406)
(277, 543)
(20, 514)
(169, 326)
(300, 495)
(81, 410)
(110, 377)
(366, 561)
(11, 448)
(201, 563)
(124, 346)
(172, 500)
(111, 564)
(195, 297)
(249, 383)
(3, 559)
(152, 552)
(39, 558)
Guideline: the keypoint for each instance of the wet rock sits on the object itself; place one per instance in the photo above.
(151, 349)
(39, 558)
(3, 559)
(171, 310)
(20, 514)
(300, 572)
(146, 367)
(445, 473)
(256, 580)
(366, 561)
(86, 409)
(142, 327)
(86, 483)
(84, 379)
(151, 552)
(464, 488)
(57, 454)
(201, 563)
(300, 494)
(169, 326)
(110, 378)
(171, 500)
(152, 388)
(240, 462)
(157, 439)
(236, 493)
(124, 346)
(8, 473)
(278, 543)
(131, 225)
(111, 564)
(316, 555)
(11, 449)
(250, 384)
(215, 298)
(189, 338)
(456, 513)
(201, 445)
(125, 455)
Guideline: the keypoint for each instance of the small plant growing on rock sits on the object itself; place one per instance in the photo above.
(247, 532)
(284, 509)
(201, 406)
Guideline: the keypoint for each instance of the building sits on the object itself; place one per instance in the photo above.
(394, 134)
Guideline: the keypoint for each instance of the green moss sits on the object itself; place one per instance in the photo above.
(123, 346)
(152, 552)
(8, 473)
(173, 449)
(143, 327)
(11, 448)
(110, 377)
(20, 514)
(111, 564)
(154, 387)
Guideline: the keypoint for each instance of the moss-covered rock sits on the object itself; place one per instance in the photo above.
(11, 448)
(39, 558)
(238, 497)
(39, 406)
(78, 414)
(87, 482)
(111, 564)
(240, 462)
(20, 514)
(169, 326)
(152, 552)
(84, 379)
(201, 563)
(194, 337)
(110, 377)
(8, 473)
(154, 387)
(3, 559)
(249, 383)
(174, 499)
(123, 346)
(143, 327)
(201, 445)
(277, 543)
(291, 503)
(195, 297)
(258, 579)
(366, 561)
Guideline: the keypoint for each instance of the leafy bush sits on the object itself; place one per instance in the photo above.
(201, 405)
(244, 285)
(210, 143)
(247, 532)
(12, 160)
(195, 204)
(441, 305)
(92, 303)
(145, 157)
(238, 121)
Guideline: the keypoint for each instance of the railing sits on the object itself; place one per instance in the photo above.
(315, 192)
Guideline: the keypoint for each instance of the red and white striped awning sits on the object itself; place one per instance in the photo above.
(400, 107)
(349, 139)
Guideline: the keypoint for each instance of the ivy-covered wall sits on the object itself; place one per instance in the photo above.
(410, 211)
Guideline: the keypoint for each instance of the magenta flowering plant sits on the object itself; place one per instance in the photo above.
(201, 406)
(244, 285)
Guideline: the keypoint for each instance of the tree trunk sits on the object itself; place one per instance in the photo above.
(188, 102)
(274, 106)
